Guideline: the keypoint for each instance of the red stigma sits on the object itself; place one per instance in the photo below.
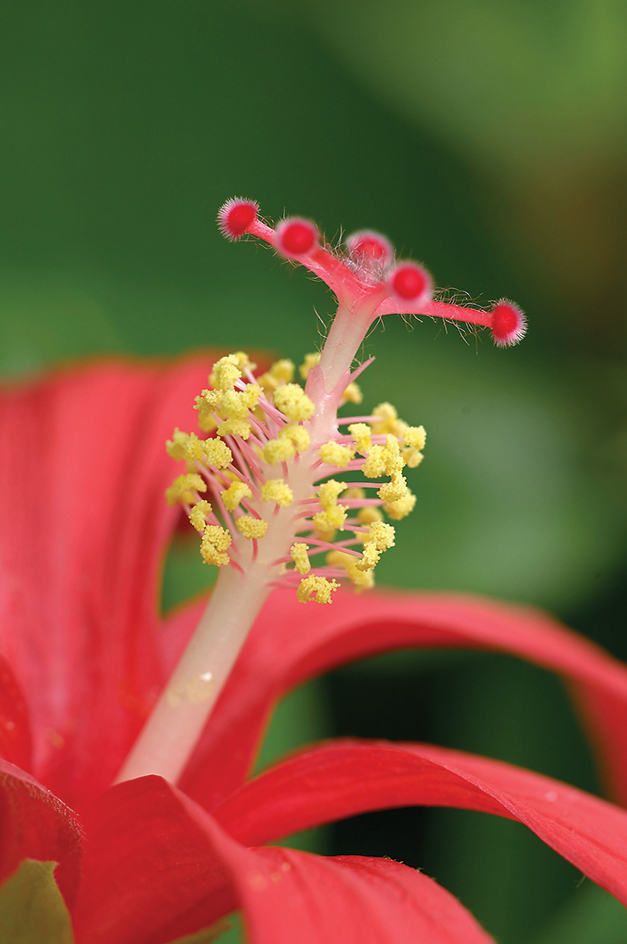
(235, 217)
(508, 323)
(410, 281)
(296, 237)
(368, 246)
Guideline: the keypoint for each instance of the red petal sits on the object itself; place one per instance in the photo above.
(157, 867)
(34, 824)
(15, 736)
(348, 777)
(149, 873)
(291, 643)
(83, 526)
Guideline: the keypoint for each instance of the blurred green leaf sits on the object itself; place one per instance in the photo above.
(32, 909)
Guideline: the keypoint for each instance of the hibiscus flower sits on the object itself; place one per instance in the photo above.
(87, 656)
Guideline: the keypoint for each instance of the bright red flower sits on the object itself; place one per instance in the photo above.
(83, 529)
(84, 642)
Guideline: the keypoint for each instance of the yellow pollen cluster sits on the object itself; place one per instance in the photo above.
(199, 512)
(278, 491)
(215, 542)
(235, 493)
(333, 453)
(292, 439)
(251, 528)
(319, 587)
(292, 400)
(352, 394)
(333, 515)
(183, 487)
(217, 453)
(361, 434)
(281, 372)
(298, 553)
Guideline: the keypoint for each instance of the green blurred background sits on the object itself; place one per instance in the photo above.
(487, 139)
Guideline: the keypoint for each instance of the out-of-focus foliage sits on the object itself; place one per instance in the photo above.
(485, 138)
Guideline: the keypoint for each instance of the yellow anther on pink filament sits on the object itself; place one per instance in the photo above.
(318, 587)
(237, 403)
(278, 491)
(329, 492)
(183, 487)
(234, 427)
(292, 400)
(199, 513)
(330, 519)
(386, 420)
(214, 544)
(394, 490)
(279, 450)
(207, 404)
(281, 372)
(235, 493)
(334, 453)
(251, 528)
(297, 435)
(361, 434)
(362, 579)
(414, 439)
(217, 453)
(381, 535)
(298, 553)
(401, 508)
(184, 446)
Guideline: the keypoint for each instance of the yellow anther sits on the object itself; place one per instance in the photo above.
(198, 514)
(243, 361)
(329, 492)
(355, 493)
(374, 466)
(182, 488)
(334, 453)
(296, 434)
(361, 434)
(215, 542)
(369, 515)
(385, 418)
(234, 427)
(293, 402)
(279, 450)
(394, 461)
(311, 360)
(237, 403)
(207, 404)
(352, 394)
(369, 558)
(217, 453)
(176, 447)
(235, 493)
(400, 509)
(298, 553)
(394, 490)
(361, 579)
(251, 527)
(381, 535)
(318, 587)
(330, 519)
(225, 372)
(414, 440)
(281, 372)
(278, 491)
